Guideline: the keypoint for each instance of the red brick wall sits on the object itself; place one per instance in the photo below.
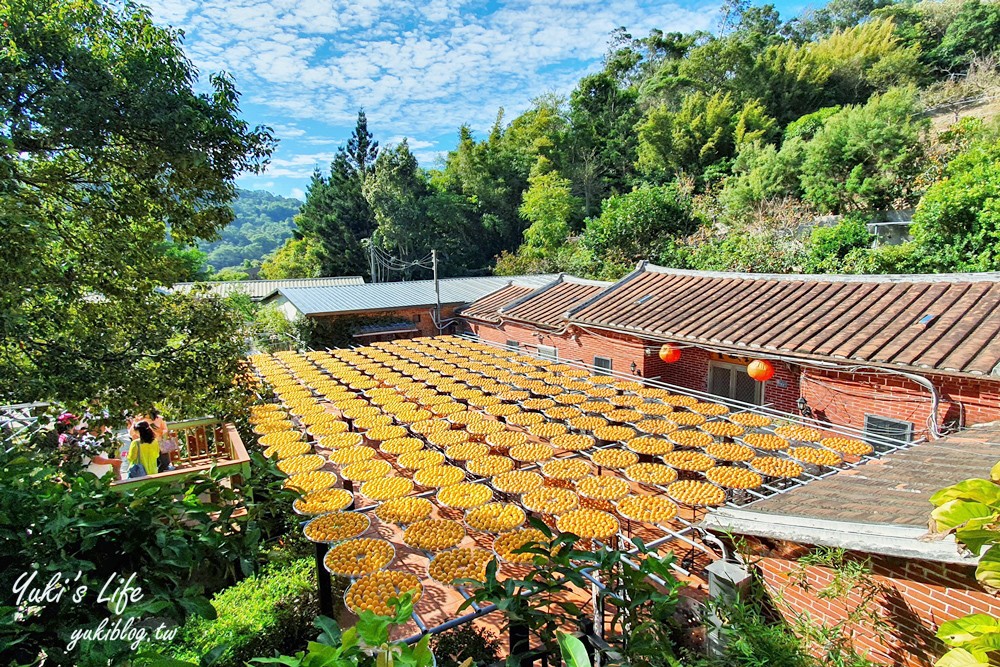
(916, 597)
(580, 346)
(841, 398)
(845, 398)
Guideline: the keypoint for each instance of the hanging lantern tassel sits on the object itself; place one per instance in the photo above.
(670, 353)
(760, 370)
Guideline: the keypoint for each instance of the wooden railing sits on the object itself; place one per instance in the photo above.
(202, 445)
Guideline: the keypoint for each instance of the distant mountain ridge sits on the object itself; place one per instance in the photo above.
(263, 222)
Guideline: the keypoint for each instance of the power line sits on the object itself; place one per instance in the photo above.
(382, 264)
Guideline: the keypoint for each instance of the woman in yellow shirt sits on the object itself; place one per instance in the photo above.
(143, 452)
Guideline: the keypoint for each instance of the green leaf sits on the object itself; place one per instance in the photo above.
(574, 653)
(373, 630)
(988, 570)
(959, 657)
(978, 490)
(957, 512)
(329, 631)
(995, 472)
(968, 629)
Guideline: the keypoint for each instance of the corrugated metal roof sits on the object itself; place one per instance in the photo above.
(548, 305)
(260, 289)
(388, 296)
(485, 308)
(944, 322)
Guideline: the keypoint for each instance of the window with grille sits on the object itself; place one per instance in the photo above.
(602, 366)
(877, 428)
(548, 352)
(732, 381)
(513, 343)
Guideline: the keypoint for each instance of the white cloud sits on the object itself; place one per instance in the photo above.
(298, 193)
(418, 68)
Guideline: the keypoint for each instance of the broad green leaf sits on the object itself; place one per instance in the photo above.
(574, 653)
(958, 657)
(373, 630)
(995, 472)
(968, 629)
(988, 570)
(978, 490)
(955, 513)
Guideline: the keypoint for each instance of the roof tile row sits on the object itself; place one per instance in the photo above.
(946, 323)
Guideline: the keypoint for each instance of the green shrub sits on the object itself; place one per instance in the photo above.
(829, 246)
(453, 647)
(268, 613)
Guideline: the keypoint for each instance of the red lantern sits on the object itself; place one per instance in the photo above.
(670, 353)
(760, 370)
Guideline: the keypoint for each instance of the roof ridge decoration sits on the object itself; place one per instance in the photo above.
(986, 276)
(639, 269)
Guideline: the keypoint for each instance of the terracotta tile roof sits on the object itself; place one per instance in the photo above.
(547, 306)
(896, 488)
(485, 308)
(865, 319)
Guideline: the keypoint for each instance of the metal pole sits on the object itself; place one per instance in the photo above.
(323, 579)
(371, 259)
(437, 290)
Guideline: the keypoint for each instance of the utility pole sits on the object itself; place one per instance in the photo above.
(371, 259)
(437, 289)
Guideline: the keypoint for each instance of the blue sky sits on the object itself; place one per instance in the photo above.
(419, 69)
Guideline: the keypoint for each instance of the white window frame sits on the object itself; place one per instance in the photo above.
(547, 352)
(713, 364)
(601, 370)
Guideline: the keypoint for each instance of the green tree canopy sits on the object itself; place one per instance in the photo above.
(336, 216)
(105, 146)
(298, 258)
(639, 224)
(866, 157)
(957, 224)
(548, 205)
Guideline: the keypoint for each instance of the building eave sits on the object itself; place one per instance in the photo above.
(882, 539)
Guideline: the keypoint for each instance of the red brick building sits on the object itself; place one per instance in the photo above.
(908, 356)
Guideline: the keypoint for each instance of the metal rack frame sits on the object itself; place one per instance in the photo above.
(687, 532)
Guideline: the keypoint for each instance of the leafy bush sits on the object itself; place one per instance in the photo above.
(453, 647)
(756, 252)
(268, 613)
(57, 522)
(637, 224)
(866, 157)
(957, 224)
(828, 246)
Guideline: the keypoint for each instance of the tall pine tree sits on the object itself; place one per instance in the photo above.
(336, 215)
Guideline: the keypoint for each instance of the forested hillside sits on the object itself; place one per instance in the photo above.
(711, 151)
(263, 222)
